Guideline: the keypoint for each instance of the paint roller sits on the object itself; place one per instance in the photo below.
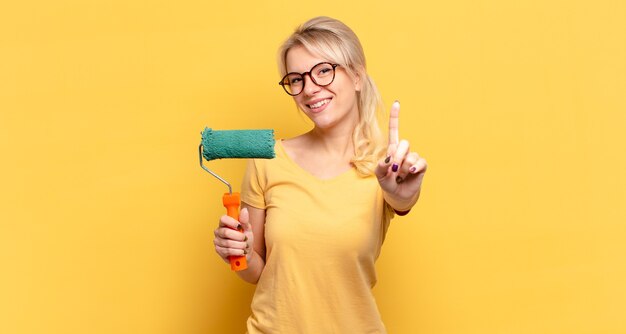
(227, 144)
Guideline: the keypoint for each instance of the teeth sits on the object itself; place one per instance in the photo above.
(319, 104)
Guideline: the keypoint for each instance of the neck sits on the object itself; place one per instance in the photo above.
(334, 142)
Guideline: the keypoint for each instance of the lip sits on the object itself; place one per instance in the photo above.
(320, 109)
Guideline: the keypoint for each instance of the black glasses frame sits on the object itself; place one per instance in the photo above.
(283, 83)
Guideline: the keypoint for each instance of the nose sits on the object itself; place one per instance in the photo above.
(310, 87)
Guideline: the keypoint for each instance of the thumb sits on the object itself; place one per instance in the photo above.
(244, 219)
(383, 167)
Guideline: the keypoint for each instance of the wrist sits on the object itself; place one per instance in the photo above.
(402, 206)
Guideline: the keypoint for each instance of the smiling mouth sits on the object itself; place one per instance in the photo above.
(318, 104)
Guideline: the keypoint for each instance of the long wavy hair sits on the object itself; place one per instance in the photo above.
(336, 42)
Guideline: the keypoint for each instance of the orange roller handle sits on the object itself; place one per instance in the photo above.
(231, 203)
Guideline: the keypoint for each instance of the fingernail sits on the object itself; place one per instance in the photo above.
(412, 169)
(245, 238)
(245, 252)
(394, 168)
(388, 159)
(239, 227)
(399, 179)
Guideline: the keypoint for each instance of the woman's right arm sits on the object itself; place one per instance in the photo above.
(251, 243)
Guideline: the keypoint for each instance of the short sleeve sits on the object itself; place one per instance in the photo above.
(252, 191)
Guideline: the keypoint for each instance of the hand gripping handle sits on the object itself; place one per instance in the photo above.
(231, 203)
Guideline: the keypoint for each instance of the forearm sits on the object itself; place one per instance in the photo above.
(256, 264)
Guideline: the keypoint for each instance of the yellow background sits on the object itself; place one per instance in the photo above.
(106, 219)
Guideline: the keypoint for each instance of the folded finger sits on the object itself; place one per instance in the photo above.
(230, 222)
(398, 158)
(225, 252)
(225, 243)
(409, 161)
(419, 166)
(382, 169)
(230, 234)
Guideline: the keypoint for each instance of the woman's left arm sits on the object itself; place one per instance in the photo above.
(401, 173)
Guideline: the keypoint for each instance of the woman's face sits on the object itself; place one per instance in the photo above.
(330, 106)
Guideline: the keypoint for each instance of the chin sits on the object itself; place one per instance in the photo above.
(324, 123)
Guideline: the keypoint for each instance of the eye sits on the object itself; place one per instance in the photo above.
(292, 79)
(325, 70)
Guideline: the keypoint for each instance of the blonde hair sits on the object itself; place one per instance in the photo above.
(333, 40)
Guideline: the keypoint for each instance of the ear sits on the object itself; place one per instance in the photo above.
(358, 80)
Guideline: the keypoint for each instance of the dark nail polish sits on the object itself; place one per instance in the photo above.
(239, 227)
(399, 180)
(245, 252)
(388, 159)
(412, 169)
(394, 168)
(245, 238)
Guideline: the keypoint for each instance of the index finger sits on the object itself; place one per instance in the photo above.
(394, 121)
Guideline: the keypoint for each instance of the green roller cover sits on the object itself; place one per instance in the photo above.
(237, 144)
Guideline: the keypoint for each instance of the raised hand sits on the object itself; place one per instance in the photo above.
(401, 173)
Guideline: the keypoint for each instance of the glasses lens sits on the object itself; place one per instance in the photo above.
(323, 74)
(293, 83)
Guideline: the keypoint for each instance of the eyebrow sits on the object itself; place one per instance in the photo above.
(309, 67)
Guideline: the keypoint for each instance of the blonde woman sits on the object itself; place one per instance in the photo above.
(315, 217)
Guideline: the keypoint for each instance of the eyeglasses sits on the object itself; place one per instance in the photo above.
(321, 74)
